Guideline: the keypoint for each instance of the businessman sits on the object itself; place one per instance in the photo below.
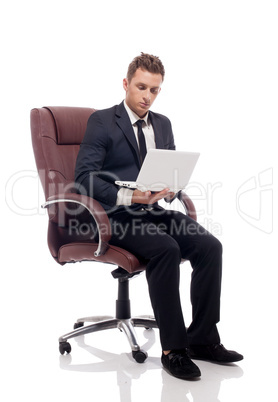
(113, 148)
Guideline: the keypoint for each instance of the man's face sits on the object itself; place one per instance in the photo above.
(141, 91)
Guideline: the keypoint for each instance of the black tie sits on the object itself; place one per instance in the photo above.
(141, 140)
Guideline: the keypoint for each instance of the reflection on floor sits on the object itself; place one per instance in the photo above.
(160, 386)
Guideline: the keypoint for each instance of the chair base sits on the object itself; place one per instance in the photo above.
(123, 321)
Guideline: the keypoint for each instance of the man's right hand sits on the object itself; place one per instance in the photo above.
(147, 197)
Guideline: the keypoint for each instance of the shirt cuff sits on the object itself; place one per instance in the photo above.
(124, 196)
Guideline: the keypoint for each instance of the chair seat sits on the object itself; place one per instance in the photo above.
(74, 252)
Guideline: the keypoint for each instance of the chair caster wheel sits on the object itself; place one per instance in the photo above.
(139, 355)
(78, 325)
(64, 347)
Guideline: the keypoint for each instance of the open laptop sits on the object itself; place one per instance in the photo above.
(163, 168)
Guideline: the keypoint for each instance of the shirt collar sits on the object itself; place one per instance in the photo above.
(134, 117)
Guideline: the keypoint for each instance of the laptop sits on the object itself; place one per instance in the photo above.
(163, 168)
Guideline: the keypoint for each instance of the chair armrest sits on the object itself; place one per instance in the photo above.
(94, 208)
(188, 205)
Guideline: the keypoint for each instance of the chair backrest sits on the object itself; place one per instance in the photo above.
(57, 133)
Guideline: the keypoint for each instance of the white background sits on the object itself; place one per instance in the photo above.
(220, 92)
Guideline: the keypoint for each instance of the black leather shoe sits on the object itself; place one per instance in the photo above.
(214, 353)
(178, 364)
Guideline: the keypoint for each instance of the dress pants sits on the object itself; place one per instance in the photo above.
(163, 238)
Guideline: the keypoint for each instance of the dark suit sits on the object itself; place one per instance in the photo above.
(109, 148)
(109, 152)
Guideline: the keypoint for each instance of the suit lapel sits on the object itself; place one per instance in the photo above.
(123, 121)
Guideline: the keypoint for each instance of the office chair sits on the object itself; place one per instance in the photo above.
(56, 136)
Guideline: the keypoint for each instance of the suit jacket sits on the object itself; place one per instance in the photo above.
(109, 152)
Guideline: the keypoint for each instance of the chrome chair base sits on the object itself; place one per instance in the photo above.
(102, 323)
(122, 320)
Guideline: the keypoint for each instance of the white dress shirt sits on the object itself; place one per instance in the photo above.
(125, 194)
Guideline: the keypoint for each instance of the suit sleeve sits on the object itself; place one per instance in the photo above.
(170, 137)
(170, 145)
(89, 172)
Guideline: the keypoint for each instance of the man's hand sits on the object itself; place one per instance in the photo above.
(147, 197)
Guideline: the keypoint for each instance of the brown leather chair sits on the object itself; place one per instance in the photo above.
(56, 136)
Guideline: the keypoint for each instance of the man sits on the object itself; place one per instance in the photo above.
(113, 149)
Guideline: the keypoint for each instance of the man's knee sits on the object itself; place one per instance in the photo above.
(208, 246)
(169, 246)
(215, 244)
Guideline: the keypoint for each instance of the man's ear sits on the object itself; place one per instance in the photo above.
(125, 84)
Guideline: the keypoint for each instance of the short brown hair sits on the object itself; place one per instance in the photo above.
(146, 62)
